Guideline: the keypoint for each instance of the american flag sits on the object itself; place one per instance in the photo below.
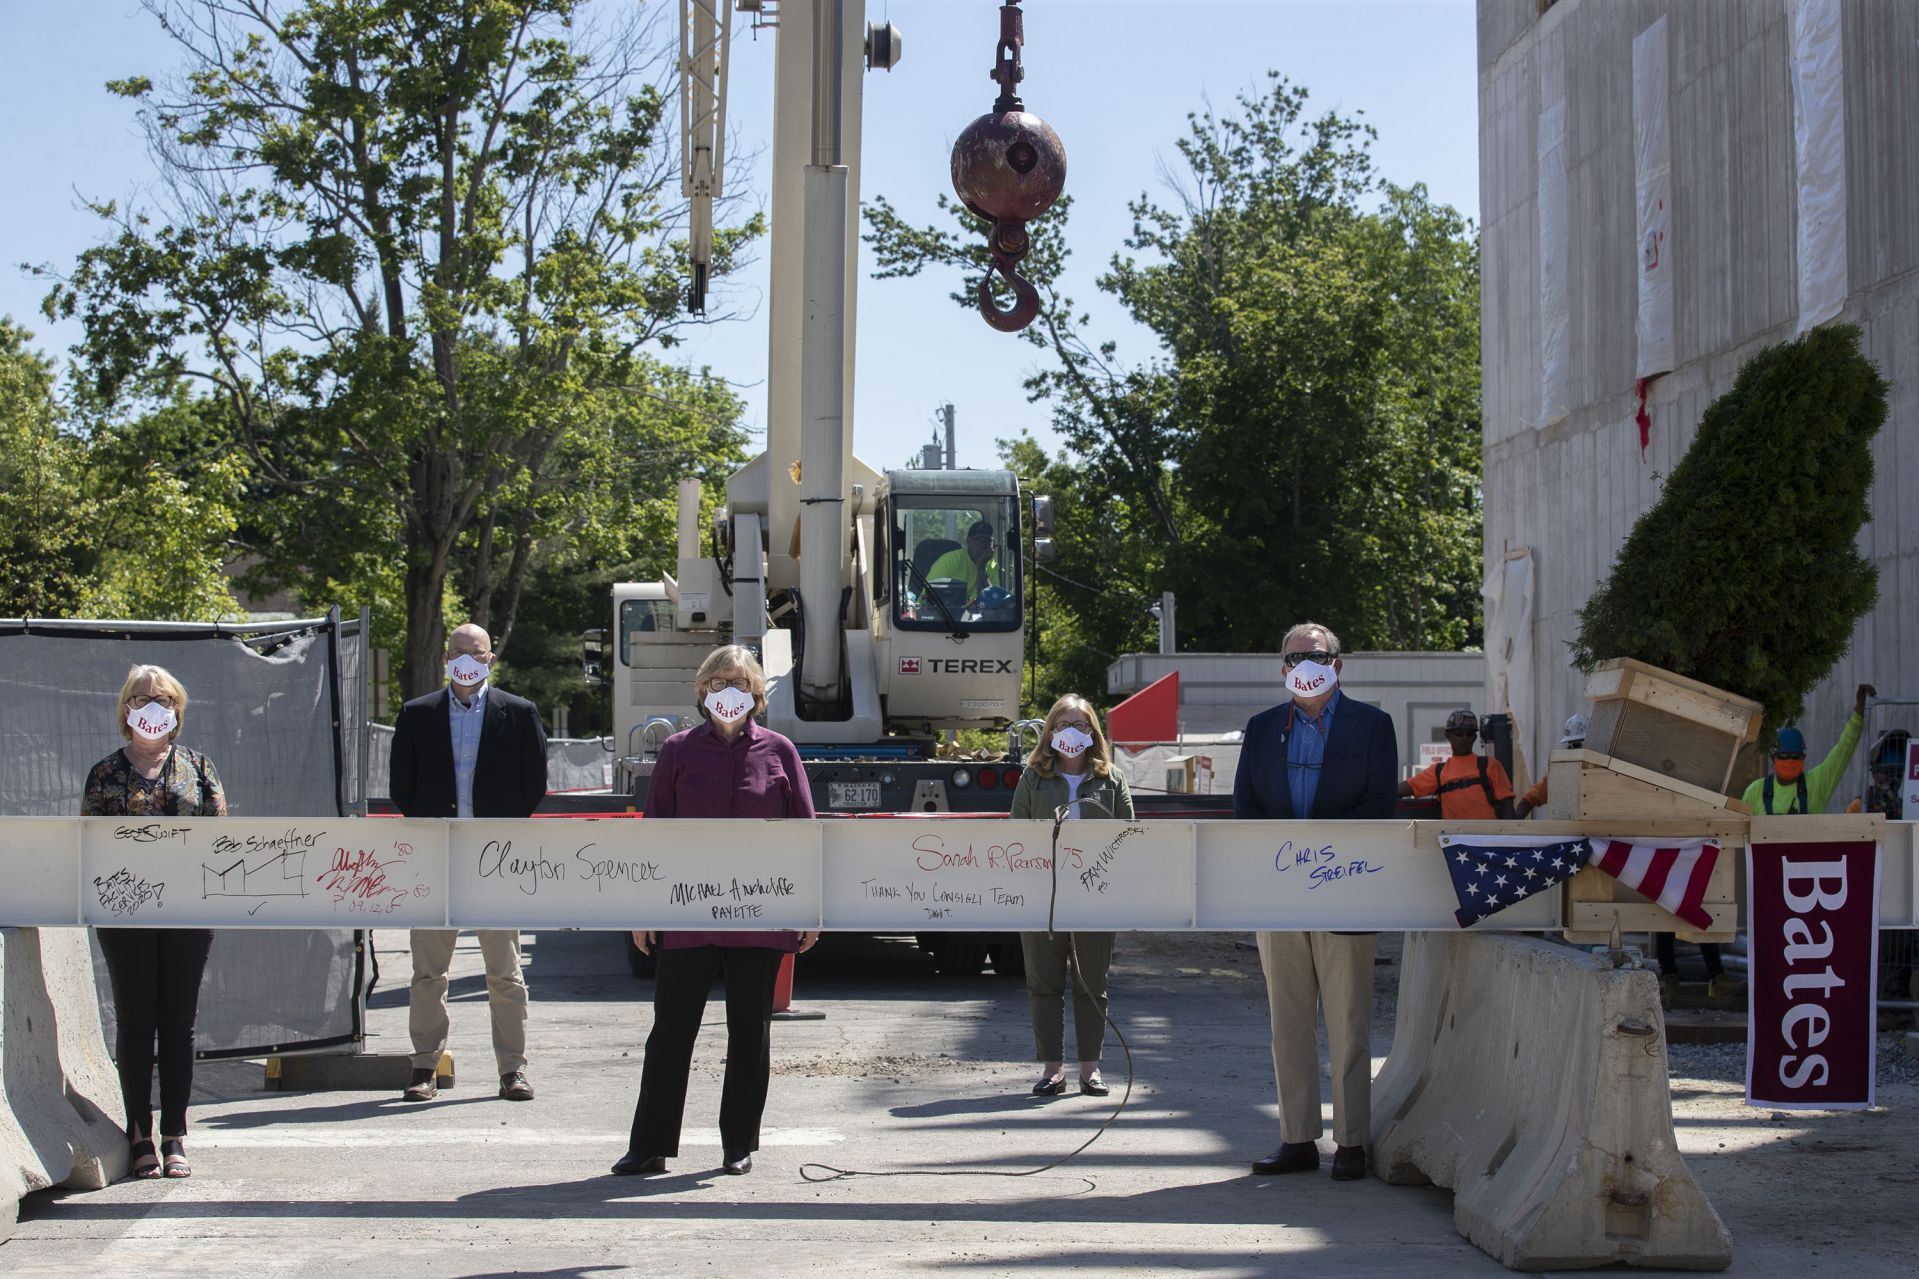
(1491, 872)
(1673, 874)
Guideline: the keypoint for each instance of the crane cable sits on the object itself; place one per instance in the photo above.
(1052, 902)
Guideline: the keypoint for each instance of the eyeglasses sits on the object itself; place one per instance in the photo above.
(1789, 754)
(1319, 655)
(140, 701)
(1080, 724)
(743, 684)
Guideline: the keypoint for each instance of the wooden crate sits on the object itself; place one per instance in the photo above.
(1688, 731)
(1595, 901)
(1585, 784)
(1597, 787)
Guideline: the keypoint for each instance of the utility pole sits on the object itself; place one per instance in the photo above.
(1168, 635)
(946, 412)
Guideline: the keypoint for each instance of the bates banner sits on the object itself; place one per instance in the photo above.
(1811, 1034)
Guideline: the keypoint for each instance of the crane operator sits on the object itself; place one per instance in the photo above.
(975, 564)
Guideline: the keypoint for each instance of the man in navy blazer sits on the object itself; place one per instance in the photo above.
(1320, 756)
(468, 751)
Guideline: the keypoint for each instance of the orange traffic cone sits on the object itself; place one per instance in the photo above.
(783, 995)
(783, 985)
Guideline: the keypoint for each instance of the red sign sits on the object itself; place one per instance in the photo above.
(909, 665)
(1811, 1034)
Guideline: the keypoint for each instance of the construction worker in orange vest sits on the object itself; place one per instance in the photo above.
(1470, 786)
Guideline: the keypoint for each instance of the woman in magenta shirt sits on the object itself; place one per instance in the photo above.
(729, 766)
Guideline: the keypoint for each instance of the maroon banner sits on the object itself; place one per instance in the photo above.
(1811, 1036)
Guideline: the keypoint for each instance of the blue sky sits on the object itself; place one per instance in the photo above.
(1115, 78)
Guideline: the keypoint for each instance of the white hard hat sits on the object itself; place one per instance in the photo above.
(1576, 727)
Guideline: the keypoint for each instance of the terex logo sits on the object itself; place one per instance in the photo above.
(909, 665)
(970, 665)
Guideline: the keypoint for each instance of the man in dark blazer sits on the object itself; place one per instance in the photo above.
(468, 751)
(1320, 756)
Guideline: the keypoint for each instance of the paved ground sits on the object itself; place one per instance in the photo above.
(907, 1072)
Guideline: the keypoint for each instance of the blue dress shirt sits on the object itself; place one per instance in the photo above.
(465, 720)
(1305, 752)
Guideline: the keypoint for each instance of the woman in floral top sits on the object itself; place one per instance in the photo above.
(155, 971)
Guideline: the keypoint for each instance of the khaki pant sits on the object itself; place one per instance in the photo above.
(427, 1018)
(1304, 971)
(1048, 978)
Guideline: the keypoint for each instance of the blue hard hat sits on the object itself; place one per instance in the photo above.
(1791, 741)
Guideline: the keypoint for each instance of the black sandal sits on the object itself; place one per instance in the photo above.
(176, 1157)
(143, 1164)
(1051, 1086)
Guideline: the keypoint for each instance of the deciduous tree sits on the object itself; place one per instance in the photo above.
(1304, 441)
(408, 244)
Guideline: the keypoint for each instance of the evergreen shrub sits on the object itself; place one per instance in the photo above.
(1746, 573)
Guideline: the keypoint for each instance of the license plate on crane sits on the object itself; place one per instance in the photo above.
(853, 794)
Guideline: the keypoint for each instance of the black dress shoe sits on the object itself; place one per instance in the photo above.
(1292, 1156)
(635, 1164)
(1094, 1087)
(738, 1162)
(1051, 1086)
(1349, 1163)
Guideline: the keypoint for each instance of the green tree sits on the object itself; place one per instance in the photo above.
(1305, 442)
(614, 519)
(406, 243)
(1746, 573)
(100, 527)
(48, 543)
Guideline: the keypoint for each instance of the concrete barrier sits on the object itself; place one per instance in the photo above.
(60, 1120)
(1530, 1079)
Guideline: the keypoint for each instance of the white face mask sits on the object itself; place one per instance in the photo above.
(152, 721)
(1310, 680)
(466, 670)
(1071, 742)
(729, 705)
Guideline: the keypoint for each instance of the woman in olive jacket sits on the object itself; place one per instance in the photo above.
(1070, 772)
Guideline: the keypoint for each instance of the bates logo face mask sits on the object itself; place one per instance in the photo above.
(466, 670)
(729, 705)
(1310, 679)
(152, 721)
(1071, 742)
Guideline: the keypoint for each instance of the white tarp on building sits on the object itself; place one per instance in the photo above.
(1652, 181)
(1819, 155)
(1555, 313)
(1508, 596)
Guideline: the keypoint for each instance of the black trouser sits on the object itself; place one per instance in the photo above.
(680, 987)
(156, 988)
(1667, 955)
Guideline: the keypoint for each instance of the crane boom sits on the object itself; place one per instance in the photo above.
(705, 55)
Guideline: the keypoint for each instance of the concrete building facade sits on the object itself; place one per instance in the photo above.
(1666, 188)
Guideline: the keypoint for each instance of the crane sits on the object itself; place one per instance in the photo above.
(886, 608)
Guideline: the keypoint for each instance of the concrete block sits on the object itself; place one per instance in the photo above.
(1531, 1080)
(60, 1121)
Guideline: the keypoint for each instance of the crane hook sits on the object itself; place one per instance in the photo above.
(1025, 307)
(1008, 168)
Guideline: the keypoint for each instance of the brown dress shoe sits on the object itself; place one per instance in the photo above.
(425, 1085)
(1349, 1163)
(513, 1086)
(1292, 1156)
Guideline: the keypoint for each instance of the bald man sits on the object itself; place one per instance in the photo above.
(468, 751)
